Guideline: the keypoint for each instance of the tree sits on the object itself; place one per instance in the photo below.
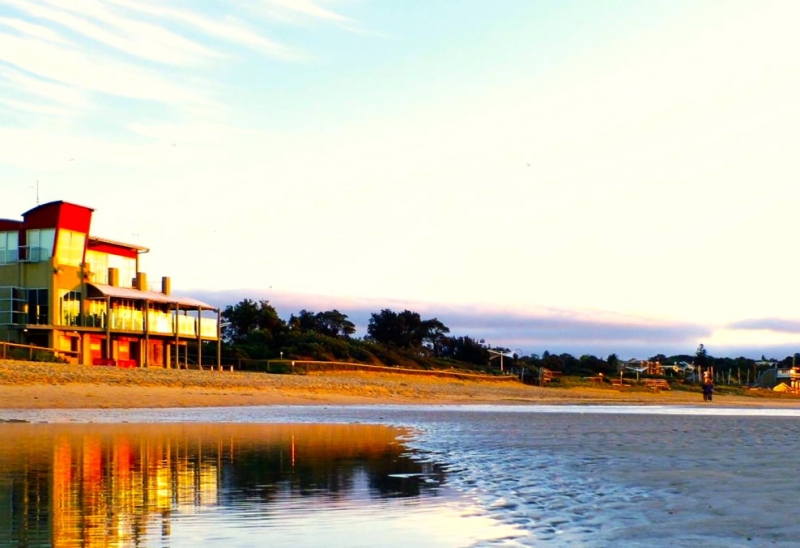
(334, 324)
(465, 349)
(434, 335)
(594, 364)
(701, 356)
(406, 330)
(250, 317)
(331, 323)
(387, 327)
(304, 321)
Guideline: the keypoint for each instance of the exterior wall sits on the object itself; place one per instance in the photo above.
(59, 215)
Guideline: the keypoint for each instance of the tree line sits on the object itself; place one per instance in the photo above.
(254, 330)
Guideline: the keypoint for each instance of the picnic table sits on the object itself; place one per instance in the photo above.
(656, 384)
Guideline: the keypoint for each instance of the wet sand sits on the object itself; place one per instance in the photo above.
(29, 385)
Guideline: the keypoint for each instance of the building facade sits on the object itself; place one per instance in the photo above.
(85, 297)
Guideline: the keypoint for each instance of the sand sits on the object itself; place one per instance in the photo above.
(31, 385)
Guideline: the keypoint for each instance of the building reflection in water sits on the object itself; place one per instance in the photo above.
(122, 484)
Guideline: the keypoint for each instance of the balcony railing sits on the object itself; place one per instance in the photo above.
(186, 325)
(127, 320)
(158, 323)
(208, 327)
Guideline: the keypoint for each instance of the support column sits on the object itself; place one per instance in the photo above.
(199, 339)
(177, 337)
(219, 339)
(146, 350)
(108, 327)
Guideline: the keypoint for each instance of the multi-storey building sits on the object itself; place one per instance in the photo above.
(85, 297)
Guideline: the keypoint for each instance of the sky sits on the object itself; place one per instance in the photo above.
(571, 176)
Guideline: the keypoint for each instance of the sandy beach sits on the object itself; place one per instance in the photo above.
(31, 385)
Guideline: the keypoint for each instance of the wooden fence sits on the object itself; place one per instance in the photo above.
(306, 366)
(14, 351)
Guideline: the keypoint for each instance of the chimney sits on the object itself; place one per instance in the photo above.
(141, 281)
(166, 285)
(113, 277)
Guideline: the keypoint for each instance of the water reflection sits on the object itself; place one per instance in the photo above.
(123, 485)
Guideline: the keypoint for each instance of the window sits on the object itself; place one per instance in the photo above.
(126, 267)
(70, 247)
(70, 307)
(38, 306)
(13, 305)
(9, 247)
(99, 263)
(40, 244)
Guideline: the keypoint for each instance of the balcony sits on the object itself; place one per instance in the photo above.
(159, 323)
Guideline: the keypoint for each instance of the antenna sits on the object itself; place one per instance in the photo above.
(37, 191)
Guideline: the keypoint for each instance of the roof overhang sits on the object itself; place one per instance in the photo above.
(100, 291)
(138, 248)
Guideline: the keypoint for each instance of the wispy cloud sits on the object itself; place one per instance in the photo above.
(307, 7)
(36, 108)
(30, 29)
(93, 72)
(133, 37)
(86, 54)
(57, 93)
(778, 325)
(229, 29)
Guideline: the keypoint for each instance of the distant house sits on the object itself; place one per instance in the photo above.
(64, 289)
(640, 366)
(775, 376)
(682, 367)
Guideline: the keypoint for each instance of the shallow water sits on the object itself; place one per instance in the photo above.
(507, 476)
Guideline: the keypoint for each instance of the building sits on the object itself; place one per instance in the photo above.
(85, 297)
(640, 366)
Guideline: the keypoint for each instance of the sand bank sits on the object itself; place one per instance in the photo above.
(29, 385)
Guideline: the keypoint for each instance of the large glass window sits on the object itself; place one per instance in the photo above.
(126, 267)
(99, 263)
(38, 306)
(40, 244)
(70, 246)
(70, 307)
(9, 247)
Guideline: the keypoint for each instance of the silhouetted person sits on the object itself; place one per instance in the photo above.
(708, 390)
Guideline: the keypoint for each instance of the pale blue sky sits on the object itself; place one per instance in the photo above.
(584, 176)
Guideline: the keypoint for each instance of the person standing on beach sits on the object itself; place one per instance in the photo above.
(708, 390)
